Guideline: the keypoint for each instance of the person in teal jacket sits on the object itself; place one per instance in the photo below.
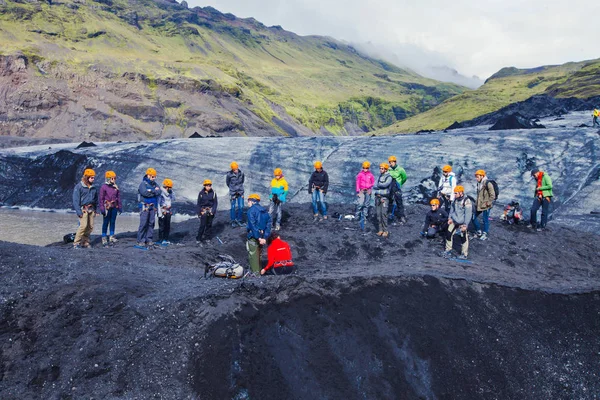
(397, 205)
(279, 190)
(542, 198)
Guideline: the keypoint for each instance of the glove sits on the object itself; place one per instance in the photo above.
(423, 234)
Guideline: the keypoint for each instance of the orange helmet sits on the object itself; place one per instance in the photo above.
(480, 172)
(254, 196)
(447, 168)
(366, 164)
(207, 182)
(110, 174)
(168, 183)
(318, 164)
(434, 201)
(151, 172)
(392, 158)
(277, 172)
(89, 172)
(459, 189)
(234, 165)
(384, 166)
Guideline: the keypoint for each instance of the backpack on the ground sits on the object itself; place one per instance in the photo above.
(227, 268)
(495, 186)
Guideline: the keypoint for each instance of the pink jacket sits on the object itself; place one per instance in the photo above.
(364, 180)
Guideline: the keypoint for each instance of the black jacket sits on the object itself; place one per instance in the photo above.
(207, 199)
(318, 179)
(438, 217)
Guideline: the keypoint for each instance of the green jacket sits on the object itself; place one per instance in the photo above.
(546, 187)
(399, 174)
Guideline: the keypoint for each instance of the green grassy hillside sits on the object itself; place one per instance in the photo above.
(509, 85)
(317, 81)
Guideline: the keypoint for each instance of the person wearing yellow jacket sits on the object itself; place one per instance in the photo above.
(595, 116)
(279, 189)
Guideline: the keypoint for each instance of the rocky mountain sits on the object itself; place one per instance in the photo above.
(568, 87)
(148, 69)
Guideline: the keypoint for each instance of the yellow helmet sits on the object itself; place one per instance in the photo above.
(89, 172)
(254, 196)
(151, 172)
(447, 168)
(277, 172)
(234, 165)
(366, 164)
(384, 166)
(459, 189)
(318, 164)
(392, 158)
(480, 172)
(207, 182)
(434, 201)
(110, 174)
(168, 183)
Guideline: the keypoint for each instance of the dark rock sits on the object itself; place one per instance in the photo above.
(583, 126)
(515, 121)
(455, 125)
(85, 144)
(140, 112)
(96, 34)
(558, 119)
(287, 128)
(184, 4)
(195, 135)
(171, 104)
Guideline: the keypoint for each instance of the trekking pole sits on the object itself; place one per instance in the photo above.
(220, 241)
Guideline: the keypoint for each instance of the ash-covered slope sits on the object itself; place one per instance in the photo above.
(569, 155)
(364, 317)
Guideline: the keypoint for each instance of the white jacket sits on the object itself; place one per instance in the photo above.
(447, 184)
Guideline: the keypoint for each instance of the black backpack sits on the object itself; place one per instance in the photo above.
(496, 189)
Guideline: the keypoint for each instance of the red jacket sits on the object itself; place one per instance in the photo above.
(278, 251)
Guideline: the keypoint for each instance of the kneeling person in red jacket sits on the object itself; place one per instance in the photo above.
(280, 257)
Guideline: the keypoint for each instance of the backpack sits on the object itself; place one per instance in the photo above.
(473, 206)
(496, 189)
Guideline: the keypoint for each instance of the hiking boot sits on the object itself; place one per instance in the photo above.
(324, 216)
(379, 233)
(462, 257)
(277, 227)
(104, 241)
(483, 236)
(234, 224)
(113, 239)
(240, 223)
(315, 217)
(479, 233)
(531, 226)
(402, 220)
(385, 234)
(76, 247)
(141, 246)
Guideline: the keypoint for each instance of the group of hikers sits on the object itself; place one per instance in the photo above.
(449, 217)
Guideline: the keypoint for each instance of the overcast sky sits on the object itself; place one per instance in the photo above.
(477, 37)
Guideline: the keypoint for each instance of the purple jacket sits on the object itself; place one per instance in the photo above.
(364, 180)
(110, 194)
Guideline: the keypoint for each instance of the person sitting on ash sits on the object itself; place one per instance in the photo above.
(279, 257)
(436, 220)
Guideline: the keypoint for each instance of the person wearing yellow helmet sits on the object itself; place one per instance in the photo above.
(317, 188)
(486, 195)
(165, 211)
(85, 203)
(383, 190)
(206, 208)
(279, 190)
(446, 185)
(110, 206)
(461, 213)
(364, 186)
(436, 220)
(235, 182)
(148, 197)
(396, 203)
(258, 229)
(595, 115)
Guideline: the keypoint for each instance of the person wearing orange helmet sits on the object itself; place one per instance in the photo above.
(486, 195)
(206, 208)
(85, 203)
(235, 182)
(446, 185)
(148, 194)
(258, 229)
(382, 189)
(165, 212)
(110, 206)
(364, 186)
(396, 203)
(459, 218)
(317, 188)
(279, 190)
(436, 220)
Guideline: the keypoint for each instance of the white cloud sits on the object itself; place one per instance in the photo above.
(476, 37)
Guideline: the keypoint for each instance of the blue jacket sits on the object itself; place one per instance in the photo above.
(149, 193)
(254, 213)
(83, 195)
